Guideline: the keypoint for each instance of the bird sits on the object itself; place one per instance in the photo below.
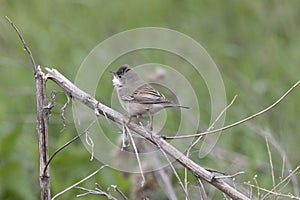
(136, 96)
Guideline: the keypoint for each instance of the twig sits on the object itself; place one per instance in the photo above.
(271, 162)
(90, 142)
(283, 167)
(67, 144)
(164, 181)
(229, 176)
(50, 105)
(281, 151)
(199, 138)
(186, 178)
(238, 122)
(62, 112)
(212, 125)
(115, 187)
(258, 188)
(137, 155)
(96, 192)
(282, 181)
(172, 167)
(201, 189)
(176, 174)
(222, 113)
(81, 181)
(271, 192)
(115, 116)
(42, 120)
(125, 142)
(26, 48)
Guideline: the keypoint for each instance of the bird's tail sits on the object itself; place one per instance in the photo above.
(176, 105)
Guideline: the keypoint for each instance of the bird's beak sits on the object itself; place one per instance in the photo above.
(112, 72)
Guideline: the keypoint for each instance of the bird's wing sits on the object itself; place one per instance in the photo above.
(146, 94)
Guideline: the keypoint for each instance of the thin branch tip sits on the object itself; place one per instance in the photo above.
(238, 122)
(26, 48)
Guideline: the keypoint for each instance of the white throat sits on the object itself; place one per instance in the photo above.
(116, 82)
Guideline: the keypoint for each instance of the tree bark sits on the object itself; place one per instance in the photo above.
(42, 129)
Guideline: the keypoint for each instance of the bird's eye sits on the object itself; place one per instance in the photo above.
(119, 76)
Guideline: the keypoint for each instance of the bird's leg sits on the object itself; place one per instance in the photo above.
(151, 122)
(130, 117)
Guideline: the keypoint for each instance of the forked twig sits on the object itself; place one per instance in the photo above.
(281, 182)
(171, 165)
(281, 151)
(67, 144)
(290, 196)
(115, 187)
(222, 113)
(97, 191)
(42, 119)
(118, 118)
(81, 181)
(238, 122)
(199, 138)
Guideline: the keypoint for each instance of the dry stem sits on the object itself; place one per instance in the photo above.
(92, 103)
(238, 122)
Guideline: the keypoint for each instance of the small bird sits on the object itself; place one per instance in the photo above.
(136, 96)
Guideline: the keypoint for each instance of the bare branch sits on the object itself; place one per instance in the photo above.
(89, 141)
(50, 105)
(271, 162)
(238, 122)
(42, 120)
(281, 151)
(201, 188)
(67, 144)
(115, 187)
(290, 196)
(230, 176)
(136, 154)
(282, 181)
(171, 165)
(97, 191)
(115, 116)
(62, 112)
(257, 186)
(222, 113)
(81, 181)
(199, 138)
(26, 48)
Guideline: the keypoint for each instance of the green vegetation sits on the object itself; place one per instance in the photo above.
(255, 45)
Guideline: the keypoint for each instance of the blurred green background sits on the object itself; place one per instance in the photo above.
(255, 44)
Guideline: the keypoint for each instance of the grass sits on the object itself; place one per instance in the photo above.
(254, 44)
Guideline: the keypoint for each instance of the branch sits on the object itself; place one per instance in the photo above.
(238, 122)
(81, 181)
(66, 145)
(115, 116)
(277, 194)
(42, 119)
(26, 48)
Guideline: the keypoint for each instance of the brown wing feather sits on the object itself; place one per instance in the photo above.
(145, 94)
